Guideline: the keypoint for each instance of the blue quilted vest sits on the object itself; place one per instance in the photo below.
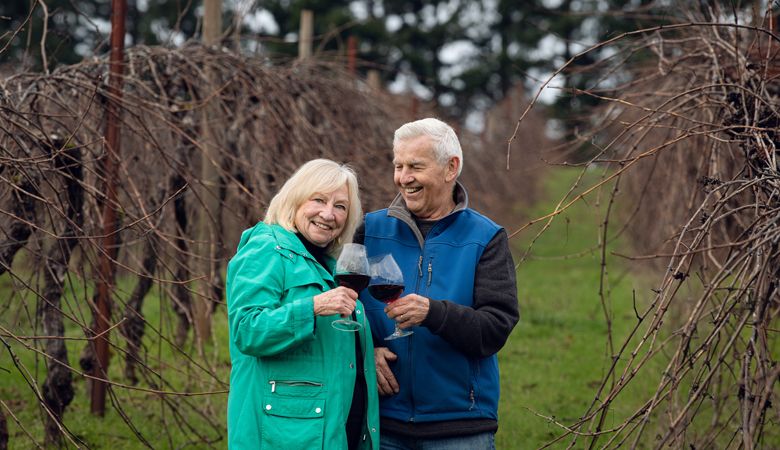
(437, 382)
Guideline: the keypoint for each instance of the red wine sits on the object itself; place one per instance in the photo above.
(386, 292)
(355, 281)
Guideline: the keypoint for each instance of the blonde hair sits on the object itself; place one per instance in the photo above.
(323, 176)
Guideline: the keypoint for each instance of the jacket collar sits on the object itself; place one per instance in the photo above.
(399, 210)
(287, 240)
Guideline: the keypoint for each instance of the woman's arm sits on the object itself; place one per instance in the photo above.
(260, 324)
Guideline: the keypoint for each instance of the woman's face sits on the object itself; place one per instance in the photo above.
(321, 218)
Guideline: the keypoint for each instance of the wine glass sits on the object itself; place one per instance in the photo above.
(387, 284)
(352, 271)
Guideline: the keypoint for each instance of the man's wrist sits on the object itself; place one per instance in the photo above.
(436, 313)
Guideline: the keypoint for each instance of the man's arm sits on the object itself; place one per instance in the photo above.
(482, 330)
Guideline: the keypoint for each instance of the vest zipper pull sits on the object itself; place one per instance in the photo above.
(430, 271)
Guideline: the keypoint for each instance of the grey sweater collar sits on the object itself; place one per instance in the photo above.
(399, 210)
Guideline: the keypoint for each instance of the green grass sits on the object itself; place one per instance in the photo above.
(153, 416)
(557, 355)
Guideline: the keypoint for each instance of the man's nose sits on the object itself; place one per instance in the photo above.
(405, 176)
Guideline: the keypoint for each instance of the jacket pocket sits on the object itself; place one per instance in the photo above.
(293, 422)
(443, 381)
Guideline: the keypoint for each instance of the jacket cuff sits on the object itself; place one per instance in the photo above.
(303, 317)
(437, 311)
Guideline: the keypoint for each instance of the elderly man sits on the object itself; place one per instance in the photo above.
(440, 385)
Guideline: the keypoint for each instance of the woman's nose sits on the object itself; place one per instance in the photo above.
(327, 212)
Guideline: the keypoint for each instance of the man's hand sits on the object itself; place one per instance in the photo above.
(408, 311)
(385, 380)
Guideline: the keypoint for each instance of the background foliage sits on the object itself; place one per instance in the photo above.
(466, 55)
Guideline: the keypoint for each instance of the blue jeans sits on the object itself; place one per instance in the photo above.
(481, 441)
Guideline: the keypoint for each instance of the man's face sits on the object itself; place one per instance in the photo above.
(425, 184)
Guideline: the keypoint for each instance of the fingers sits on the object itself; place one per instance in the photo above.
(347, 291)
(386, 381)
(408, 311)
(383, 385)
(340, 300)
(350, 301)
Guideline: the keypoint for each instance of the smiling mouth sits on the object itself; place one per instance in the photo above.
(412, 190)
(322, 226)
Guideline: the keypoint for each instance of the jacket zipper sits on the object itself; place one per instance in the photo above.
(273, 383)
(420, 278)
(411, 370)
(474, 376)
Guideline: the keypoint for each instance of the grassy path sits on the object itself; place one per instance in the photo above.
(557, 355)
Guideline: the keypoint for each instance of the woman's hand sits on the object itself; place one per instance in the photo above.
(340, 300)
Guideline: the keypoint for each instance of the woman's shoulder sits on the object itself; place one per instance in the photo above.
(258, 231)
(263, 235)
(260, 235)
(257, 244)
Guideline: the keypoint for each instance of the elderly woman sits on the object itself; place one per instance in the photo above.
(296, 381)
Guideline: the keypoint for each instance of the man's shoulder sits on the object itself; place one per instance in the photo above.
(377, 215)
(378, 212)
(476, 218)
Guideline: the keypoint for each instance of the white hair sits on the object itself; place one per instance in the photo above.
(445, 142)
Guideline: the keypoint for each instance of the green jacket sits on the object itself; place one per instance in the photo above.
(292, 373)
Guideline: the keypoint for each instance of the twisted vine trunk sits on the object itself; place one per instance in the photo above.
(220, 254)
(21, 228)
(182, 300)
(134, 323)
(759, 381)
(58, 386)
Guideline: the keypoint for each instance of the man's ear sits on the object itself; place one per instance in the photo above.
(452, 169)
